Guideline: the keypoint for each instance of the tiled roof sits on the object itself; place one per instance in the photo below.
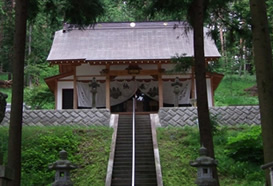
(127, 41)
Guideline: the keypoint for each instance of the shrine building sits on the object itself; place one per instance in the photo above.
(105, 65)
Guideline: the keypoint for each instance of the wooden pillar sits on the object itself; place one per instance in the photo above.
(107, 88)
(160, 86)
(75, 92)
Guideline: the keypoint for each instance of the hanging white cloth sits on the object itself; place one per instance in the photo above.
(84, 95)
(149, 88)
(120, 91)
(184, 92)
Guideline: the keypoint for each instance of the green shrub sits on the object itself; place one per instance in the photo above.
(246, 146)
(4, 143)
(214, 124)
(87, 147)
(40, 147)
(39, 97)
(180, 145)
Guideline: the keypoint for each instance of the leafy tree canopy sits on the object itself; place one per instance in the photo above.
(81, 12)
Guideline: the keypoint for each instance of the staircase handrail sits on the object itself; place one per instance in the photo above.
(133, 143)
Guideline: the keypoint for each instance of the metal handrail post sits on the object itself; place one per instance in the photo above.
(133, 145)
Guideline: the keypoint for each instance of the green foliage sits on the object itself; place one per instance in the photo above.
(231, 91)
(39, 97)
(1, 8)
(3, 76)
(182, 63)
(40, 148)
(248, 165)
(214, 124)
(116, 11)
(80, 12)
(4, 142)
(247, 146)
(6, 35)
(180, 145)
(7, 91)
(230, 24)
(88, 148)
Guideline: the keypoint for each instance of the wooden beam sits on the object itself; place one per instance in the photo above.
(107, 89)
(160, 87)
(125, 73)
(91, 76)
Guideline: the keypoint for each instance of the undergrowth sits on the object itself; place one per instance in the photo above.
(88, 148)
(178, 146)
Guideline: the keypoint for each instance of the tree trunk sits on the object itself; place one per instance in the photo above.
(206, 138)
(29, 76)
(1, 32)
(241, 57)
(15, 130)
(223, 52)
(264, 74)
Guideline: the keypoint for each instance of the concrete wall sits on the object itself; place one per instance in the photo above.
(83, 117)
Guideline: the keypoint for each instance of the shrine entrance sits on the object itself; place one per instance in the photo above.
(143, 104)
(151, 92)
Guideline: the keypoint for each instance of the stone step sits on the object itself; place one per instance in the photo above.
(144, 158)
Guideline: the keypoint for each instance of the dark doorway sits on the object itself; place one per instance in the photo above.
(67, 98)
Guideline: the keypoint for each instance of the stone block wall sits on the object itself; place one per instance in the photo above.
(168, 116)
(231, 115)
(83, 117)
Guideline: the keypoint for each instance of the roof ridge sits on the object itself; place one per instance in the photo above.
(129, 25)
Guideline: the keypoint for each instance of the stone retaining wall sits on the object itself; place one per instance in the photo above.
(231, 115)
(168, 116)
(84, 117)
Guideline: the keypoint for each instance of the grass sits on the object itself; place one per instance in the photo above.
(178, 146)
(87, 147)
(231, 91)
(94, 153)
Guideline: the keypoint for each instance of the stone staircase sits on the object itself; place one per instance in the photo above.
(145, 173)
